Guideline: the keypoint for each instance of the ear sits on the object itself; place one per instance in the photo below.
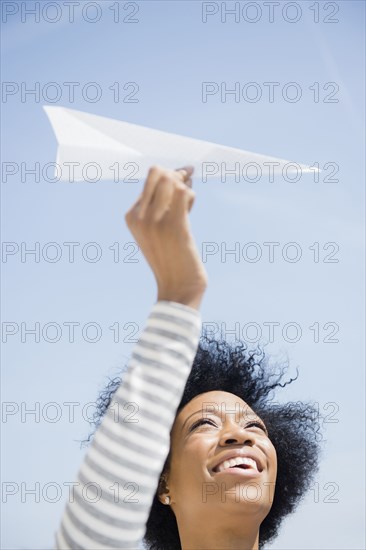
(163, 489)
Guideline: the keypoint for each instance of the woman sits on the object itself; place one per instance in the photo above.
(189, 452)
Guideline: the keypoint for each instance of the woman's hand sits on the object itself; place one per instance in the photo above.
(160, 225)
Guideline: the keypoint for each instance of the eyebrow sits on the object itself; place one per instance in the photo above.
(215, 414)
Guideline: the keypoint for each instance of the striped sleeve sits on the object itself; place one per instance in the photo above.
(115, 487)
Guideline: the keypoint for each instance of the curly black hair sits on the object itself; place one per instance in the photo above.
(293, 428)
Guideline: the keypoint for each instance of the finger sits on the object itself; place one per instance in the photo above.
(162, 198)
(186, 172)
(189, 183)
(135, 208)
(188, 169)
(153, 177)
(164, 190)
(191, 201)
(181, 203)
(139, 199)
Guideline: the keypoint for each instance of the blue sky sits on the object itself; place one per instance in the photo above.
(169, 52)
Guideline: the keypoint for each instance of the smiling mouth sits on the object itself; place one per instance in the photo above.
(238, 464)
(239, 470)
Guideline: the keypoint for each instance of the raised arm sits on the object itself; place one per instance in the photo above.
(119, 475)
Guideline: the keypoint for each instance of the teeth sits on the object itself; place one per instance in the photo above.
(235, 462)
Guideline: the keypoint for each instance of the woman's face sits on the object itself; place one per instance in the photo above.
(210, 430)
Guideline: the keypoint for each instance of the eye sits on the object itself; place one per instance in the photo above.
(202, 421)
(259, 425)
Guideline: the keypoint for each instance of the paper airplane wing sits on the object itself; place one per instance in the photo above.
(113, 149)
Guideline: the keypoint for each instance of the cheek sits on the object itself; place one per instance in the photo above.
(188, 465)
(181, 464)
(270, 451)
(268, 446)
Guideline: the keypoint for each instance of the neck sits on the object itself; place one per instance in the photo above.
(218, 538)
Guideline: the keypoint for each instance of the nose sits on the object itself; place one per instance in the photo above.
(233, 433)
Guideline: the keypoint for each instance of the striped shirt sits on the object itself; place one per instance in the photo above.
(119, 475)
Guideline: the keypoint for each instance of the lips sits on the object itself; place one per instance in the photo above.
(249, 461)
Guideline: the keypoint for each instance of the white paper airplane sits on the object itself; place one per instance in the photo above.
(93, 148)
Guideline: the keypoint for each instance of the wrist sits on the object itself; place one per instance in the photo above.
(192, 300)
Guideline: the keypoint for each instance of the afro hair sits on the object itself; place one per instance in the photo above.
(293, 428)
